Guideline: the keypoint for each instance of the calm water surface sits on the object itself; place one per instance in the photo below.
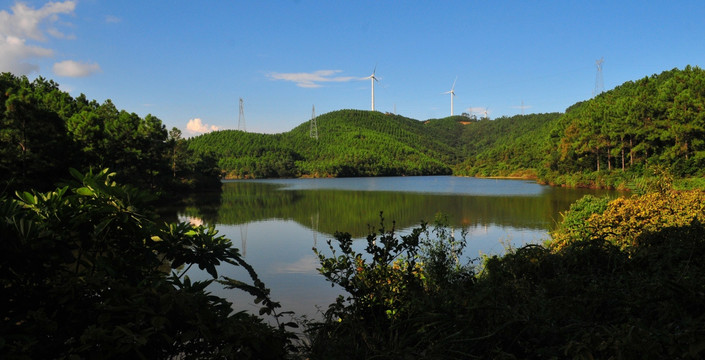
(277, 222)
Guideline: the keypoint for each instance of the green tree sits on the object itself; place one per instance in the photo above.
(35, 144)
(178, 151)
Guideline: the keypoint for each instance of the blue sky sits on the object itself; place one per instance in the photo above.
(188, 62)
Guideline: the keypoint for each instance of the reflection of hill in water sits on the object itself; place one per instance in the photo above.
(353, 211)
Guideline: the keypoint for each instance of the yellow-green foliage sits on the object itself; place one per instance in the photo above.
(626, 219)
(389, 282)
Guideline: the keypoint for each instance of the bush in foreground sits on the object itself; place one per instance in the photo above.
(85, 274)
(590, 297)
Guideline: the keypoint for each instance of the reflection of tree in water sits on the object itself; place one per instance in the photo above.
(327, 211)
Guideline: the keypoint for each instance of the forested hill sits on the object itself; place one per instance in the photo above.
(655, 120)
(349, 143)
(367, 143)
(506, 146)
(605, 141)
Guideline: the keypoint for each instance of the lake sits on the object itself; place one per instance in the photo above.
(277, 222)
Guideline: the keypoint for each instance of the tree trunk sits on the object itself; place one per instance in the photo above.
(631, 153)
(23, 145)
(609, 159)
(597, 157)
(686, 149)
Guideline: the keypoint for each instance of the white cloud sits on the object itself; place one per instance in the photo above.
(54, 32)
(477, 111)
(110, 19)
(24, 22)
(15, 52)
(196, 126)
(72, 68)
(522, 106)
(306, 264)
(313, 79)
(22, 27)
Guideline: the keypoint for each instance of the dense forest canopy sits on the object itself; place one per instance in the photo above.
(367, 143)
(45, 131)
(351, 143)
(658, 119)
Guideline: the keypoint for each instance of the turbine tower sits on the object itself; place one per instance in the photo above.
(241, 117)
(452, 94)
(373, 78)
(599, 84)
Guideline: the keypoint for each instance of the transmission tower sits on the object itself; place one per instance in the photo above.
(599, 84)
(314, 126)
(241, 117)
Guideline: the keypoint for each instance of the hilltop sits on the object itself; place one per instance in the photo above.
(605, 141)
(350, 143)
(363, 143)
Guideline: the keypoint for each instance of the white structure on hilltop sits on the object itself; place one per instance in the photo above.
(373, 78)
(452, 94)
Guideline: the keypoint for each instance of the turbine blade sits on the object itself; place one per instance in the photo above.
(453, 87)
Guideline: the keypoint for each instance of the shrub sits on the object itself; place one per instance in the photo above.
(575, 220)
(591, 297)
(625, 219)
(86, 274)
(392, 290)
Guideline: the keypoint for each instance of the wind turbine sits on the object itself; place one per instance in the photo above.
(373, 78)
(452, 94)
